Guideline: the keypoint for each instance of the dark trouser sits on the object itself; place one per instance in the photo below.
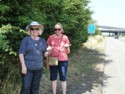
(61, 69)
(31, 82)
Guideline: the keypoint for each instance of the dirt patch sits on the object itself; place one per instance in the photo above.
(90, 81)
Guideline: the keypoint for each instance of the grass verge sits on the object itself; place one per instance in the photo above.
(85, 71)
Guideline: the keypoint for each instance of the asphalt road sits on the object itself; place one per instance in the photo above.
(114, 66)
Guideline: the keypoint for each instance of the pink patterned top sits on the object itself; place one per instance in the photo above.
(58, 46)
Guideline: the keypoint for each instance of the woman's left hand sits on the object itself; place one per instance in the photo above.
(67, 45)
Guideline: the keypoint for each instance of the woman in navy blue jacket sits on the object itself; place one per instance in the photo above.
(31, 54)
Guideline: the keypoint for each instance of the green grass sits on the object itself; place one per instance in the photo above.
(11, 84)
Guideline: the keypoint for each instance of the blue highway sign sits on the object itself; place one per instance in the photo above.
(91, 28)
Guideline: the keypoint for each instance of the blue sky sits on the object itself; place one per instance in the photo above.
(109, 12)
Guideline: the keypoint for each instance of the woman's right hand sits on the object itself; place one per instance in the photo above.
(49, 48)
(24, 69)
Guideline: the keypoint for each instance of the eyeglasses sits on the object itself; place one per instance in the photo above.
(57, 29)
(34, 28)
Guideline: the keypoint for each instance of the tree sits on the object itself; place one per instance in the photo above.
(16, 14)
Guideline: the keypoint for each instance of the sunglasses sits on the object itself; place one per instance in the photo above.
(57, 29)
(34, 28)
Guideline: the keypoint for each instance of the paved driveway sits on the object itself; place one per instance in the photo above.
(114, 67)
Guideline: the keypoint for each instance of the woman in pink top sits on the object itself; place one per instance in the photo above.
(59, 44)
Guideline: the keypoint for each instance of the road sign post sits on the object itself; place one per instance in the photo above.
(91, 30)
